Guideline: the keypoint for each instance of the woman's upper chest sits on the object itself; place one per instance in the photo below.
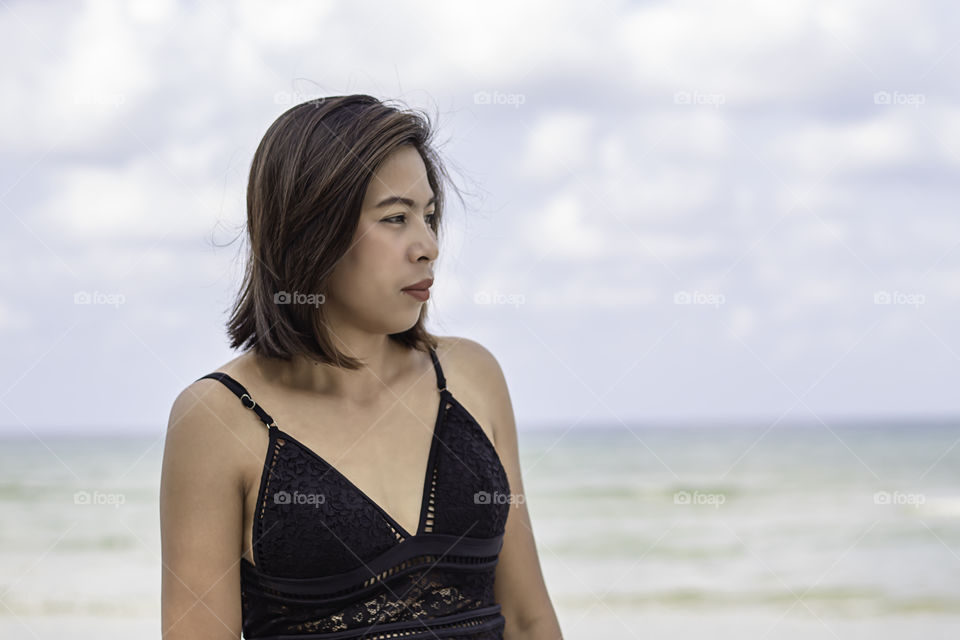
(383, 448)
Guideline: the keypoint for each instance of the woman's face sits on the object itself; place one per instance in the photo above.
(394, 247)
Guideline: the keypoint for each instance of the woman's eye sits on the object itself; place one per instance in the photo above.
(403, 216)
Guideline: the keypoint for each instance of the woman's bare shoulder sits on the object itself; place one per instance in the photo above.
(465, 357)
(208, 418)
(207, 399)
(474, 377)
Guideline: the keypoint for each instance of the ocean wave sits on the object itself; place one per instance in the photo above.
(828, 601)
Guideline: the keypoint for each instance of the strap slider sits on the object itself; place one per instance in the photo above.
(252, 404)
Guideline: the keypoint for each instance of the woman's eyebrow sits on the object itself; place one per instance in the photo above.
(392, 200)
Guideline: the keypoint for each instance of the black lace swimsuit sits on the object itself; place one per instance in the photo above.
(331, 563)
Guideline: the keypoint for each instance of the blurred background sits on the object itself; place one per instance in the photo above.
(715, 248)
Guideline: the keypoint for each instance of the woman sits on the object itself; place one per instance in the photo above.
(330, 482)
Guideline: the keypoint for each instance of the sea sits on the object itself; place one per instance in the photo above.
(808, 531)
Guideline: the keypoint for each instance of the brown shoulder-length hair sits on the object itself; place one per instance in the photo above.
(307, 182)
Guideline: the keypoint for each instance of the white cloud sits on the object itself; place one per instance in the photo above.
(889, 139)
(656, 193)
(675, 246)
(630, 196)
(141, 200)
(94, 67)
(558, 145)
(584, 295)
(301, 24)
(943, 282)
(743, 320)
(12, 319)
(693, 46)
(944, 132)
(152, 12)
(694, 135)
(562, 230)
(807, 295)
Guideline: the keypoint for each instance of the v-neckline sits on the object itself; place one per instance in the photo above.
(425, 494)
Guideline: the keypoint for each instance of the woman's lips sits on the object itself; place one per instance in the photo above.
(420, 294)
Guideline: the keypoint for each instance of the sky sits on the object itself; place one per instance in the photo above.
(676, 212)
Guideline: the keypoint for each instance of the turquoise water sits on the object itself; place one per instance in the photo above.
(793, 532)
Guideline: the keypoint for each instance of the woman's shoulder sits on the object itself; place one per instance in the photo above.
(204, 417)
(463, 359)
(475, 378)
(208, 398)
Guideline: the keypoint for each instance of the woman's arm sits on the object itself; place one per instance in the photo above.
(201, 523)
(519, 587)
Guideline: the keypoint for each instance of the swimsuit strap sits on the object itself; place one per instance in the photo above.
(248, 401)
(244, 396)
(441, 381)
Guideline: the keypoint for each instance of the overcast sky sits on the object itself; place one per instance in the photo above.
(680, 211)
